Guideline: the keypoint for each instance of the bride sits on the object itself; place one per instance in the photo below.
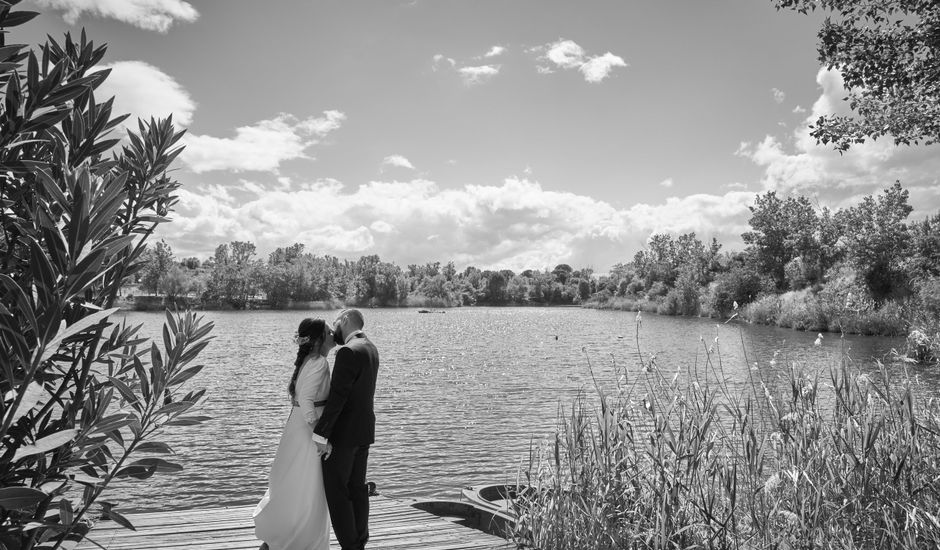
(293, 513)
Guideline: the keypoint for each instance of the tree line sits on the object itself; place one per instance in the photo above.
(235, 277)
(868, 255)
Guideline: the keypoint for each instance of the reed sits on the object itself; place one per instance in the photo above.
(830, 459)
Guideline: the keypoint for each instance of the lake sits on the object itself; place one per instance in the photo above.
(461, 395)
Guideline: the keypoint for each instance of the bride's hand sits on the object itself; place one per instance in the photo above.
(324, 450)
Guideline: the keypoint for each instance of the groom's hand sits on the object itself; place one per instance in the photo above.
(324, 449)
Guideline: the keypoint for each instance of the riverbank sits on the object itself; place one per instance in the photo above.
(917, 318)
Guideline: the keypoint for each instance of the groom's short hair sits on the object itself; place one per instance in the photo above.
(355, 316)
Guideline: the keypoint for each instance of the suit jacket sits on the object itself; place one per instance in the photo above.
(348, 420)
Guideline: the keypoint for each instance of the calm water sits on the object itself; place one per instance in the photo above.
(461, 395)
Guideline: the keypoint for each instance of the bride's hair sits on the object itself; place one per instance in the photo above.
(310, 334)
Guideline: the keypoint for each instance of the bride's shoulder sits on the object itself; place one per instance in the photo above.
(315, 363)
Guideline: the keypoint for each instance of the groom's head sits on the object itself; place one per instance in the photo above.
(347, 322)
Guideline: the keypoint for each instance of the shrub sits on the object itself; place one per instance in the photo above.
(82, 396)
(635, 286)
(765, 310)
(682, 300)
(740, 284)
(795, 273)
(657, 289)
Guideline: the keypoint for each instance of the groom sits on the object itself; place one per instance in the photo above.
(347, 428)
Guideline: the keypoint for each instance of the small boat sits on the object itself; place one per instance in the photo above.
(496, 497)
(468, 514)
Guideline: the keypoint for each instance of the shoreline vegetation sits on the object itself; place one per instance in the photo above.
(675, 458)
(859, 270)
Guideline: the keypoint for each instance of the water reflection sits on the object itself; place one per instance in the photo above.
(461, 395)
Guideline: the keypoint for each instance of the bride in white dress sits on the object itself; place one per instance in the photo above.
(293, 514)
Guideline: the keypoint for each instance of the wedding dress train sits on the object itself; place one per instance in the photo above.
(293, 514)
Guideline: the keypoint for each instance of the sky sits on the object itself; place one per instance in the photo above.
(512, 134)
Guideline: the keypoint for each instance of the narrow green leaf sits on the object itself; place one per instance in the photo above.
(66, 514)
(154, 447)
(117, 518)
(33, 393)
(75, 328)
(45, 444)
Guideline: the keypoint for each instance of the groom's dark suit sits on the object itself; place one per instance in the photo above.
(348, 422)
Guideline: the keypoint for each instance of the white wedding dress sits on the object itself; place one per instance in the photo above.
(293, 514)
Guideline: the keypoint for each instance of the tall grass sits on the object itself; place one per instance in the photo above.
(833, 459)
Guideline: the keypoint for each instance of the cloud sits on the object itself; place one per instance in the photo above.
(397, 160)
(439, 60)
(779, 95)
(516, 224)
(479, 74)
(495, 51)
(598, 68)
(796, 164)
(666, 183)
(145, 91)
(154, 15)
(567, 54)
(262, 146)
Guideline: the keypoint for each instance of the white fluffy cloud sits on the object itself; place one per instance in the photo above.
(779, 95)
(517, 224)
(397, 160)
(798, 165)
(495, 51)
(478, 74)
(154, 15)
(145, 91)
(598, 68)
(567, 54)
(262, 146)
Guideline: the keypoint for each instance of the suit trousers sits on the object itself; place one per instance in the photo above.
(344, 479)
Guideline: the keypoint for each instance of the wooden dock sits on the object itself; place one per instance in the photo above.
(393, 525)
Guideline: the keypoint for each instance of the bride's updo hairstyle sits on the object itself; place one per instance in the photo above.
(310, 335)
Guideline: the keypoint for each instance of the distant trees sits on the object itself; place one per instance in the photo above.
(889, 57)
(157, 262)
(866, 255)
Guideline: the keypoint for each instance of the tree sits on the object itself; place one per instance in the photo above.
(158, 260)
(562, 272)
(876, 240)
(82, 393)
(889, 56)
(781, 230)
(924, 259)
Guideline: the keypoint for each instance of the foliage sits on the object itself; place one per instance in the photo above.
(157, 263)
(877, 238)
(782, 230)
(889, 57)
(833, 459)
(740, 285)
(82, 396)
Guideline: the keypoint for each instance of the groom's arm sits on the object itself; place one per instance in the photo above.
(345, 373)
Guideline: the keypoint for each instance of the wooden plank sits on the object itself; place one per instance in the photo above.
(393, 525)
